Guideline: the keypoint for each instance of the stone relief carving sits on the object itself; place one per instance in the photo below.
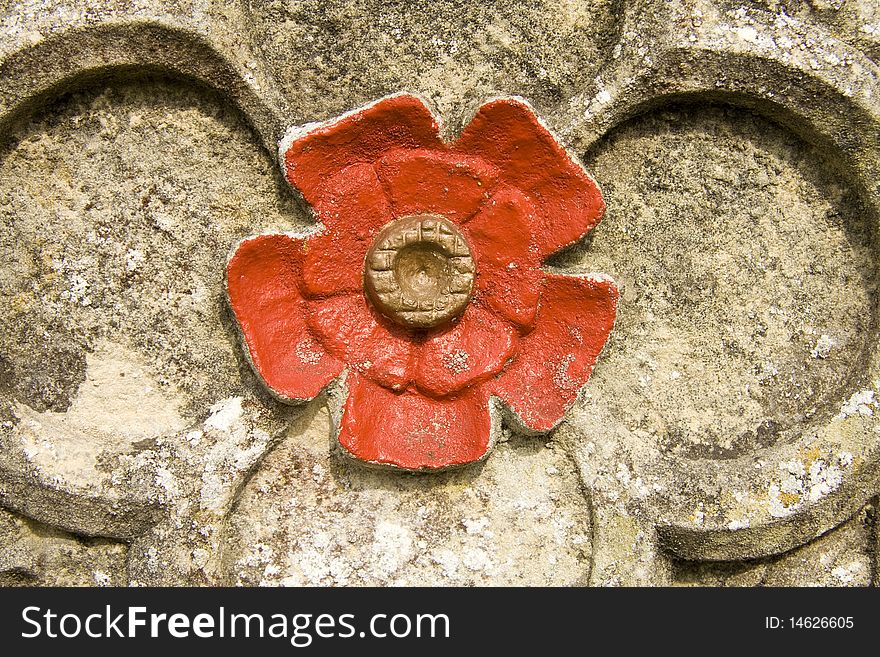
(731, 418)
(432, 320)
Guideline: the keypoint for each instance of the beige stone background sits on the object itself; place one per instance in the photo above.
(729, 433)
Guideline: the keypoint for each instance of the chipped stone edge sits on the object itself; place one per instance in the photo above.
(79, 512)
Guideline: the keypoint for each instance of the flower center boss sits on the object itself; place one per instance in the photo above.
(419, 271)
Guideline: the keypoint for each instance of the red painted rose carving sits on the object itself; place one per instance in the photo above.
(420, 398)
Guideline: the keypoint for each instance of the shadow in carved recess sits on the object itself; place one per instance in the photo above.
(748, 278)
(842, 557)
(32, 554)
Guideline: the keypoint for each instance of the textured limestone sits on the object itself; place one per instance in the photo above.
(729, 433)
(730, 240)
(32, 554)
(517, 520)
(453, 53)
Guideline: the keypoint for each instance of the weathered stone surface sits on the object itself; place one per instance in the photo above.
(729, 434)
(453, 53)
(117, 206)
(731, 240)
(308, 518)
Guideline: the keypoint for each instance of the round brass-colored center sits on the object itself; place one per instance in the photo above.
(419, 271)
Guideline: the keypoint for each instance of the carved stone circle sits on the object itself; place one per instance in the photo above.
(419, 272)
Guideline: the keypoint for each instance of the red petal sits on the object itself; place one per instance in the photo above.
(473, 350)
(361, 136)
(334, 263)
(353, 208)
(440, 182)
(412, 431)
(351, 331)
(556, 359)
(508, 276)
(353, 200)
(508, 134)
(261, 282)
